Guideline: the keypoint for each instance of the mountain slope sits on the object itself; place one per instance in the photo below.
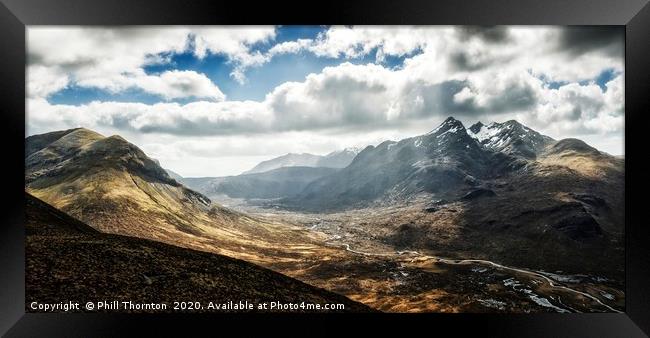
(583, 159)
(67, 259)
(114, 187)
(338, 159)
(564, 210)
(91, 177)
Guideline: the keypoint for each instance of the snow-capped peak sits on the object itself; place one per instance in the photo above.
(510, 137)
(448, 125)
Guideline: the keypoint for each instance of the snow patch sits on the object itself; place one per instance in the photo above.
(422, 164)
(452, 130)
(486, 132)
(499, 142)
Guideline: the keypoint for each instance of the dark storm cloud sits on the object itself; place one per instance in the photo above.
(200, 127)
(515, 97)
(582, 39)
(463, 62)
(421, 100)
(490, 34)
(190, 128)
(34, 58)
(69, 66)
(438, 99)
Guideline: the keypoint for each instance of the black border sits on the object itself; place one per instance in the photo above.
(16, 14)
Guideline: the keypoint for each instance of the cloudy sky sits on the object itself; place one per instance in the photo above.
(213, 101)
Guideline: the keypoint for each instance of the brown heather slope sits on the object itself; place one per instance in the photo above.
(67, 260)
(111, 185)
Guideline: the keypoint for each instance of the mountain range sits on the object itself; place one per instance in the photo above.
(510, 137)
(452, 161)
(501, 191)
(446, 159)
(502, 179)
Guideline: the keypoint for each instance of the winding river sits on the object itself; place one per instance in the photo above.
(484, 262)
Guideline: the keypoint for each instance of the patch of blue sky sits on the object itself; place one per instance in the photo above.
(601, 80)
(394, 61)
(606, 76)
(548, 82)
(216, 67)
(76, 95)
(260, 80)
(292, 33)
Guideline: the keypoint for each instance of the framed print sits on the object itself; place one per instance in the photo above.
(441, 165)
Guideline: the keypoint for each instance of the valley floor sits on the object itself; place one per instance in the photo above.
(389, 275)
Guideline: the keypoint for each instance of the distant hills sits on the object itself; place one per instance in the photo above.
(275, 183)
(280, 177)
(335, 159)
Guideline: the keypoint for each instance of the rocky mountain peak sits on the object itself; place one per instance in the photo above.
(476, 127)
(82, 150)
(450, 125)
(510, 137)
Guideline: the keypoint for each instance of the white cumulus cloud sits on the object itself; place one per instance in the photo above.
(545, 77)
